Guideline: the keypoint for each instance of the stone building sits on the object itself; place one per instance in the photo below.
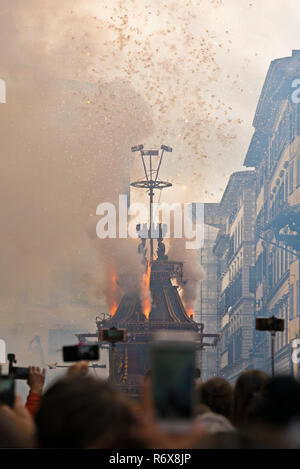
(207, 311)
(235, 248)
(274, 152)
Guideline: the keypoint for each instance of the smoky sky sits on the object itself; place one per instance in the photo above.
(64, 141)
(85, 82)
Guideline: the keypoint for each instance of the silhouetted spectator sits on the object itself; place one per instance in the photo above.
(246, 392)
(279, 405)
(17, 428)
(217, 394)
(84, 412)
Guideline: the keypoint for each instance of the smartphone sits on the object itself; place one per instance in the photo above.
(75, 353)
(7, 390)
(173, 364)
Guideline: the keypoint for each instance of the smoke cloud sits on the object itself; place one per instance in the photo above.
(65, 137)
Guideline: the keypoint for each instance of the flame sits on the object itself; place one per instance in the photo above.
(190, 312)
(145, 291)
(113, 305)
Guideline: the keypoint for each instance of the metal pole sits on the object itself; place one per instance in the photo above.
(151, 214)
(273, 353)
(158, 168)
(112, 363)
(151, 223)
(145, 169)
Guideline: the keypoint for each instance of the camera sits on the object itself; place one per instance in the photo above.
(112, 335)
(272, 324)
(7, 390)
(16, 372)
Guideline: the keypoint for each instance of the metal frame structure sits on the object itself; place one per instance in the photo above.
(151, 181)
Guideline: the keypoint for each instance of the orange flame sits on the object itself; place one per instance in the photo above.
(113, 305)
(190, 313)
(145, 293)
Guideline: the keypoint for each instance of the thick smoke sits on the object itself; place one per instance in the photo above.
(65, 140)
(192, 271)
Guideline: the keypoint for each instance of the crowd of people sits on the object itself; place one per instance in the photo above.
(82, 411)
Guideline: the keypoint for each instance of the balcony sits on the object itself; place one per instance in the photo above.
(288, 216)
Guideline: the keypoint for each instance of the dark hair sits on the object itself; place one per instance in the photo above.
(280, 402)
(246, 393)
(85, 412)
(217, 394)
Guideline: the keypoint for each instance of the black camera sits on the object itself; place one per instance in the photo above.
(113, 335)
(270, 324)
(16, 372)
(7, 390)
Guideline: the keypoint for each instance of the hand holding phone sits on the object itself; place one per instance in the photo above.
(173, 378)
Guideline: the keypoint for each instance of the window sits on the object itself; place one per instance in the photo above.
(292, 126)
(258, 269)
(298, 298)
(291, 305)
(285, 261)
(252, 279)
(298, 120)
(291, 178)
(298, 172)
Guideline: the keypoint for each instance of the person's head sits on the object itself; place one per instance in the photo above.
(217, 394)
(13, 433)
(279, 405)
(83, 412)
(246, 391)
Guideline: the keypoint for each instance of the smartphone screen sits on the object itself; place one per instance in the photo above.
(74, 353)
(7, 390)
(173, 380)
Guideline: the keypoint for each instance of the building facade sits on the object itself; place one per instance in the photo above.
(235, 248)
(256, 253)
(206, 310)
(209, 301)
(274, 152)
